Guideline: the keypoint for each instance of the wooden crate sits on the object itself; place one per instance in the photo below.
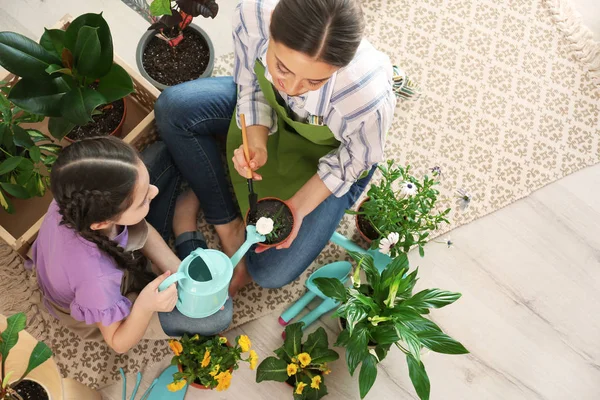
(20, 229)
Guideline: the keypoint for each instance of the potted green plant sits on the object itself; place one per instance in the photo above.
(383, 312)
(303, 366)
(174, 50)
(26, 154)
(208, 362)
(399, 212)
(21, 389)
(70, 77)
(274, 219)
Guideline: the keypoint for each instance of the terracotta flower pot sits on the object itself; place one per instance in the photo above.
(358, 228)
(197, 385)
(268, 246)
(118, 129)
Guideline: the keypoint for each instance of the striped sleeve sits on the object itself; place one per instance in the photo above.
(250, 37)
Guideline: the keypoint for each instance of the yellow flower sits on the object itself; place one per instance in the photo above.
(294, 360)
(300, 387)
(222, 340)
(292, 369)
(224, 379)
(327, 371)
(206, 359)
(253, 359)
(195, 337)
(245, 343)
(304, 359)
(316, 381)
(176, 386)
(175, 346)
(215, 370)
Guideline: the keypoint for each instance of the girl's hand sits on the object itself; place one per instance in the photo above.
(258, 158)
(152, 300)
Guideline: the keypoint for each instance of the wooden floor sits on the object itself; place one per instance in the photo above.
(529, 275)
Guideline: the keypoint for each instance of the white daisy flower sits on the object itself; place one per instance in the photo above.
(464, 199)
(408, 189)
(264, 226)
(388, 242)
(447, 241)
(436, 171)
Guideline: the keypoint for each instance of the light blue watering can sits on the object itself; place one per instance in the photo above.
(203, 278)
(338, 270)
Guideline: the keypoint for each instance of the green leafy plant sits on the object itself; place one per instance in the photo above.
(400, 209)
(302, 365)
(176, 15)
(383, 312)
(8, 340)
(69, 76)
(26, 154)
(208, 361)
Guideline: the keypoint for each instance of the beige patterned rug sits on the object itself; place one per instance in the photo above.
(509, 105)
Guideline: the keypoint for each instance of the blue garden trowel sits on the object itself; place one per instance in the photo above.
(338, 270)
(381, 260)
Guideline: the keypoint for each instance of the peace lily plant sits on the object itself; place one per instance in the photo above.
(383, 311)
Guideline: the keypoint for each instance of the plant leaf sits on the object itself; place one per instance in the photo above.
(15, 190)
(10, 164)
(382, 350)
(398, 267)
(37, 136)
(21, 138)
(385, 334)
(272, 369)
(331, 288)
(431, 298)
(59, 127)
(357, 348)
(53, 40)
(51, 148)
(40, 96)
(35, 154)
(87, 50)
(40, 354)
(411, 339)
(316, 340)
(6, 204)
(440, 342)
(24, 57)
(160, 7)
(354, 315)
(418, 376)
(368, 374)
(55, 68)
(106, 46)
(10, 336)
(293, 339)
(343, 339)
(116, 84)
(78, 104)
(320, 356)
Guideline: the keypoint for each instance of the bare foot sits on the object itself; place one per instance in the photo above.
(241, 278)
(232, 235)
(185, 218)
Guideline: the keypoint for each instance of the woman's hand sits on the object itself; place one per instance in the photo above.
(152, 300)
(258, 158)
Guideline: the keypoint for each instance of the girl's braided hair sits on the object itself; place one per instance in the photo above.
(93, 181)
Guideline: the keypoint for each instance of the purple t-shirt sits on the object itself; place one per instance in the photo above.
(75, 274)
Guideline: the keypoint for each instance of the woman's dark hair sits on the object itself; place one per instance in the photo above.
(328, 30)
(93, 181)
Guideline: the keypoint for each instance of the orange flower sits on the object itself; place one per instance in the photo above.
(176, 347)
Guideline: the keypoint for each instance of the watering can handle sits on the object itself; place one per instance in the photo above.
(170, 280)
(346, 243)
(252, 237)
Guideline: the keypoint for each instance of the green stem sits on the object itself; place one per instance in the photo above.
(401, 348)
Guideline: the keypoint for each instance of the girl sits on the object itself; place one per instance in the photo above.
(318, 100)
(86, 255)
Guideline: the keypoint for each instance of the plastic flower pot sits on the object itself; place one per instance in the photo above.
(198, 385)
(270, 201)
(118, 129)
(360, 230)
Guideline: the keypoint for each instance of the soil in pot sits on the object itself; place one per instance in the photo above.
(172, 65)
(30, 390)
(104, 124)
(281, 215)
(366, 227)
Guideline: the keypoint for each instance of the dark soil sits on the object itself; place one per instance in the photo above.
(365, 226)
(269, 209)
(172, 65)
(103, 125)
(30, 390)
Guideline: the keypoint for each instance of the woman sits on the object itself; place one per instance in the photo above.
(318, 102)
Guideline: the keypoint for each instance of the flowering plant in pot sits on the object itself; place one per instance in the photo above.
(21, 389)
(399, 211)
(301, 365)
(383, 311)
(208, 362)
(26, 154)
(174, 50)
(274, 219)
(70, 77)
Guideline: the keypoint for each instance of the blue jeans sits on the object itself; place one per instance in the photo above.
(165, 175)
(192, 119)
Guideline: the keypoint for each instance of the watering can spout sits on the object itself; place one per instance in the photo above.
(252, 237)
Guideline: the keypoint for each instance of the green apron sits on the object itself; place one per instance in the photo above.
(293, 151)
